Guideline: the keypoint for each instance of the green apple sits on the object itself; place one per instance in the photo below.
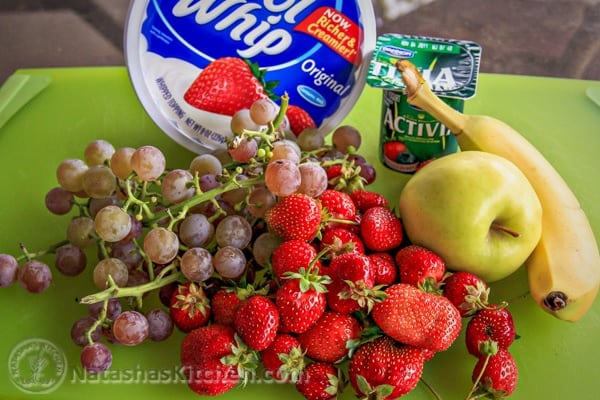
(476, 210)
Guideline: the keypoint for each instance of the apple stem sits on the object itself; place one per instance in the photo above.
(505, 229)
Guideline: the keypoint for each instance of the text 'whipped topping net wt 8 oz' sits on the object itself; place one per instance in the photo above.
(193, 63)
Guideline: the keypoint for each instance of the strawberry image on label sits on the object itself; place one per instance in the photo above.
(224, 87)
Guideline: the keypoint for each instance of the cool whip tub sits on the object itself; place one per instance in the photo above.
(410, 136)
(315, 51)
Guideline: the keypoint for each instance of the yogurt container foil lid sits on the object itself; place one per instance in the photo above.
(450, 66)
(193, 63)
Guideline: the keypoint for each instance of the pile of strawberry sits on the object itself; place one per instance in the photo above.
(344, 288)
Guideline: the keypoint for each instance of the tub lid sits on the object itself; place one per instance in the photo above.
(315, 51)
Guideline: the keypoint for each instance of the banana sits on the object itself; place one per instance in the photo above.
(564, 268)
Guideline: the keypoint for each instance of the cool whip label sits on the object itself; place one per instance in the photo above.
(312, 50)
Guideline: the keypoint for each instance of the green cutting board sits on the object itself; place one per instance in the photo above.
(556, 359)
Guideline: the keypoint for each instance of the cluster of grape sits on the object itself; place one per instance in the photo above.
(154, 227)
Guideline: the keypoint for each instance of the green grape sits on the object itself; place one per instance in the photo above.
(114, 267)
(98, 152)
(80, 232)
(112, 223)
(206, 164)
(263, 111)
(99, 182)
(161, 245)
(177, 186)
(148, 162)
(241, 121)
(69, 174)
(120, 162)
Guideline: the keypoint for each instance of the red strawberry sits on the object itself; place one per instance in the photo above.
(319, 381)
(412, 316)
(354, 267)
(190, 307)
(348, 176)
(211, 377)
(226, 86)
(342, 298)
(347, 297)
(419, 266)
(283, 359)
(297, 216)
(334, 172)
(210, 341)
(468, 292)
(299, 119)
(364, 199)
(339, 206)
(499, 377)
(489, 326)
(428, 354)
(223, 305)
(256, 321)
(384, 369)
(327, 340)
(301, 300)
(384, 268)
(201, 352)
(380, 229)
(292, 255)
(341, 240)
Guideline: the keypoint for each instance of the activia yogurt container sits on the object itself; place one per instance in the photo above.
(409, 136)
(316, 51)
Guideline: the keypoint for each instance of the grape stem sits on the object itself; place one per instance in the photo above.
(131, 199)
(30, 256)
(268, 136)
(101, 318)
(183, 207)
(114, 291)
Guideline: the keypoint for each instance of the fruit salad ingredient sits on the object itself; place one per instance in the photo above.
(564, 268)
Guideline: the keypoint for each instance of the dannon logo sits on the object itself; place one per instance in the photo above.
(397, 51)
